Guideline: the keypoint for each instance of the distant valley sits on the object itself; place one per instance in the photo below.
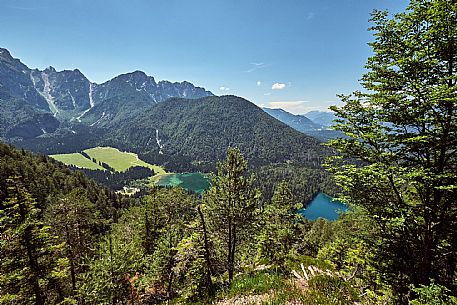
(177, 125)
(314, 123)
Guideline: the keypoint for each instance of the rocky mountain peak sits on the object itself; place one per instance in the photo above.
(5, 54)
(50, 69)
(69, 96)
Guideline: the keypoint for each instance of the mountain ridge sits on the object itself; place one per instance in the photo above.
(318, 127)
(179, 125)
(69, 95)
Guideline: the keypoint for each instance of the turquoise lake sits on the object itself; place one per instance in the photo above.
(196, 182)
(323, 206)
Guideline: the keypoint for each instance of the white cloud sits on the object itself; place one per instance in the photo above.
(256, 66)
(222, 88)
(301, 107)
(259, 83)
(267, 94)
(278, 86)
(296, 107)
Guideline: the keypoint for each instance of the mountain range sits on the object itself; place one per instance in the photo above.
(323, 118)
(178, 125)
(315, 123)
(51, 97)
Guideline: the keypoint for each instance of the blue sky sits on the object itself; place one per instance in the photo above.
(293, 54)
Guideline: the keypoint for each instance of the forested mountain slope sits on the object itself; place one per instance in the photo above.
(51, 219)
(203, 129)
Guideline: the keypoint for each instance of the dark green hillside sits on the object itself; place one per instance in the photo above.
(51, 219)
(66, 139)
(203, 129)
(304, 182)
(19, 119)
(44, 177)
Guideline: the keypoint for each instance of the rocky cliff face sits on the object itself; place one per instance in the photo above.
(69, 96)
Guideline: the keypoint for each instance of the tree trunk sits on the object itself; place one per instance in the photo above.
(33, 264)
(207, 254)
(229, 254)
(232, 258)
(71, 258)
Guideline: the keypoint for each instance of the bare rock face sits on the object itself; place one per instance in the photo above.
(69, 96)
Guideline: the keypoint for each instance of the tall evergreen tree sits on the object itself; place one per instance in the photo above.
(231, 205)
(31, 263)
(77, 222)
(403, 129)
(279, 220)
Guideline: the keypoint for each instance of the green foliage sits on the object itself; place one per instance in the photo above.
(120, 255)
(402, 133)
(77, 223)
(231, 206)
(143, 244)
(278, 227)
(256, 283)
(433, 294)
(317, 234)
(31, 265)
(304, 182)
(200, 131)
(191, 267)
(45, 178)
(329, 290)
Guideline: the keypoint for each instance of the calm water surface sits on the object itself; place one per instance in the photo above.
(196, 182)
(324, 206)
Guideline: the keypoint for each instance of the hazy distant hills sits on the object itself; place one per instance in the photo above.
(175, 124)
(298, 122)
(314, 123)
(323, 118)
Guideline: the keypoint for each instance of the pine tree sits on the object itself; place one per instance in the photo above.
(31, 263)
(278, 227)
(76, 221)
(232, 206)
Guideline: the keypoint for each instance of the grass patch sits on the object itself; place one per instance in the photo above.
(264, 287)
(119, 160)
(78, 160)
(258, 283)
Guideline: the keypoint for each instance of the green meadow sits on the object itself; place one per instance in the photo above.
(119, 160)
(76, 159)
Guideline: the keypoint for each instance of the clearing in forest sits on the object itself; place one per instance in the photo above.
(78, 160)
(119, 160)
